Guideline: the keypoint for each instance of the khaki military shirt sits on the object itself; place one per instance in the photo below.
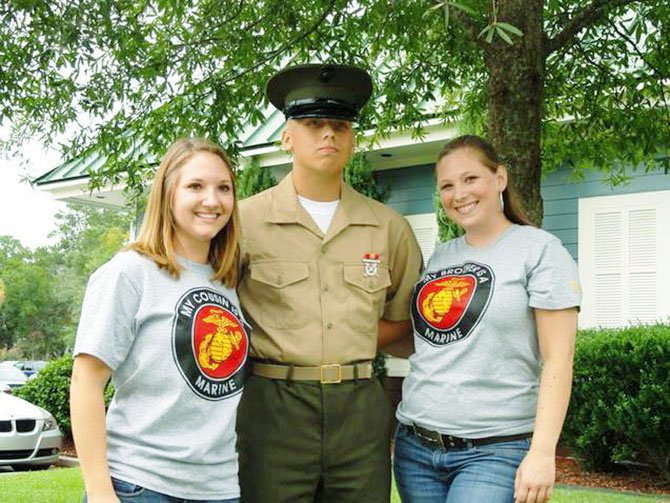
(311, 298)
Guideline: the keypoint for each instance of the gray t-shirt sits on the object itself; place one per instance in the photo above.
(177, 349)
(476, 369)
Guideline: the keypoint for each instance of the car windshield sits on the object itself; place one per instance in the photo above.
(11, 373)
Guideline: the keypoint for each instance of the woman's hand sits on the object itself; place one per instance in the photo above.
(534, 482)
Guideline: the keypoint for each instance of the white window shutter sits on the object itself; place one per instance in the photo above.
(607, 235)
(643, 271)
(622, 242)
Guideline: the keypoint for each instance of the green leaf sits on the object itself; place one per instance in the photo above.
(484, 31)
(463, 7)
(501, 33)
(489, 34)
(436, 6)
(510, 28)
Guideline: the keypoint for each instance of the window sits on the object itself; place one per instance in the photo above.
(624, 259)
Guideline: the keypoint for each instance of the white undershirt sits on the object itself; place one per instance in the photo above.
(321, 211)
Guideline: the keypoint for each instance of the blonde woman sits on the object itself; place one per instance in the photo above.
(162, 319)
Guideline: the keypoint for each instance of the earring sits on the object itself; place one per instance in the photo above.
(502, 202)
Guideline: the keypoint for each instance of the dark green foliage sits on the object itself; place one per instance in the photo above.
(358, 173)
(41, 291)
(32, 308)
(51, 391)
(253, 179)
(620, 406)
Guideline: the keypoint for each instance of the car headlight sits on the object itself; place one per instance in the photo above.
(49, 424)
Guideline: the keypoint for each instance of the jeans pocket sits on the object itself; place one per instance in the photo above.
(126, 489)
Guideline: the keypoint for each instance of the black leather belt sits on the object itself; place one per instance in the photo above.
(436, 439)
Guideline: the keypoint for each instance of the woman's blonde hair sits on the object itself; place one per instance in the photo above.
(156, 238)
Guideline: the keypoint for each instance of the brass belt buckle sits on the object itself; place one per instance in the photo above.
(333, 367)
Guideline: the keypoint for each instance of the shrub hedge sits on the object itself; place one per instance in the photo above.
(51, 391)
(620, 405)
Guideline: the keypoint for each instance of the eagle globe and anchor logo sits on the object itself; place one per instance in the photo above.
(449, 303)
(210, 343)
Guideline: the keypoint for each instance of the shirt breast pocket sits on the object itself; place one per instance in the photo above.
(367, 295)
(282, 292)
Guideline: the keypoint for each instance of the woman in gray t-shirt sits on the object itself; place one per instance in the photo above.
(162, 319)
(495, 318)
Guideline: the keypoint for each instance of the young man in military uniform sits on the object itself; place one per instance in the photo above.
(327, 273)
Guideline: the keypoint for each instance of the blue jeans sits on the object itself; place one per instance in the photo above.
(128, 492)
(432, 475)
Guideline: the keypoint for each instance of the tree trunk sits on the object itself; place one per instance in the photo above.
(515, 100)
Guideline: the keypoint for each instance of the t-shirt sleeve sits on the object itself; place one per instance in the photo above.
(553, 283)
(107, 323)
(405, 268)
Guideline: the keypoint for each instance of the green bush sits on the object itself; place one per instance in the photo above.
(51, 391)
(620, 406)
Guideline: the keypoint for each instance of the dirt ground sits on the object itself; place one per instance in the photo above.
(568, 471)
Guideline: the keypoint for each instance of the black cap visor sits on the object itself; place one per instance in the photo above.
(324, 108)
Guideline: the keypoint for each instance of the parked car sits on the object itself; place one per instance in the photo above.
(30, 367)
(11, 376)
(29, 436)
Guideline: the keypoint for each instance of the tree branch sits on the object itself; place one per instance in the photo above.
(661, 75)
(588, 16)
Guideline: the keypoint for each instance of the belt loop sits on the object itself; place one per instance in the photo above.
(355, 373)
(289, 375)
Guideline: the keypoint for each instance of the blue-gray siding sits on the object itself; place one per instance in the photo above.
(411, 188)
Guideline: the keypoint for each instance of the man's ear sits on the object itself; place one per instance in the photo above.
(286, 140)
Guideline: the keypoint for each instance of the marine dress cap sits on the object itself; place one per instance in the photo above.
(327, 91)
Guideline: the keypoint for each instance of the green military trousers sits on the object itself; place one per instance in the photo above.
(309, 442)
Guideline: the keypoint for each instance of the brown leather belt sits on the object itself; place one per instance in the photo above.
(325, 374)
(435, 439)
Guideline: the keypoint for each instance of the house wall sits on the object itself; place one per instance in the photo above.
(411, 188)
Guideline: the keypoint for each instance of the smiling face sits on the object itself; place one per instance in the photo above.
(202, 203)
(319, 146)
(470, 190)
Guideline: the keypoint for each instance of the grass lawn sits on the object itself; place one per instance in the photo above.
(56, 485)
(64, 485)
